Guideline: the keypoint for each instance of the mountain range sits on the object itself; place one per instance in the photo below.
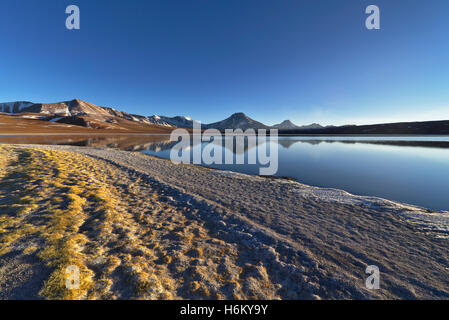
(84, 116)
(82, 113)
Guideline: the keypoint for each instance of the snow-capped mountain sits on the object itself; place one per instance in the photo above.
(66, 108)
(83, 113)
(72, 108)
(178, 121)
(158, 120)
(79, 113)
(237, 121)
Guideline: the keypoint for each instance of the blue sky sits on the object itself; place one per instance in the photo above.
(308, 61)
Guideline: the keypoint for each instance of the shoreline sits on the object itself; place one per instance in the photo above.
(5, 134)
(310, 242)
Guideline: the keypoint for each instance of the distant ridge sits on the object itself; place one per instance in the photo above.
(399, 128)
(288, 125)
(285, 125)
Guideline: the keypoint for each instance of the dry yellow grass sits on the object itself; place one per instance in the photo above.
(58, 188)
(125, 239)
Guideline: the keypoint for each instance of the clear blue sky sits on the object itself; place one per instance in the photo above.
(308, 61)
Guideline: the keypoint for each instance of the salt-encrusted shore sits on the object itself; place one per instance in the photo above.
(258, 238)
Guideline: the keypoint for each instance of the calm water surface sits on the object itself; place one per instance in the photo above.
(413, 170)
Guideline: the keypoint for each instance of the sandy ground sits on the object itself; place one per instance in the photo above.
(140, 227)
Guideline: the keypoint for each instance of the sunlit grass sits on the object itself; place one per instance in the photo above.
(54, 188)
(68, 209)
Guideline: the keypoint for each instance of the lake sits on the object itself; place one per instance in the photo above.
(408, 169)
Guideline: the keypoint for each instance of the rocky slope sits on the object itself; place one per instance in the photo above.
(79, 113)
(178, 121)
